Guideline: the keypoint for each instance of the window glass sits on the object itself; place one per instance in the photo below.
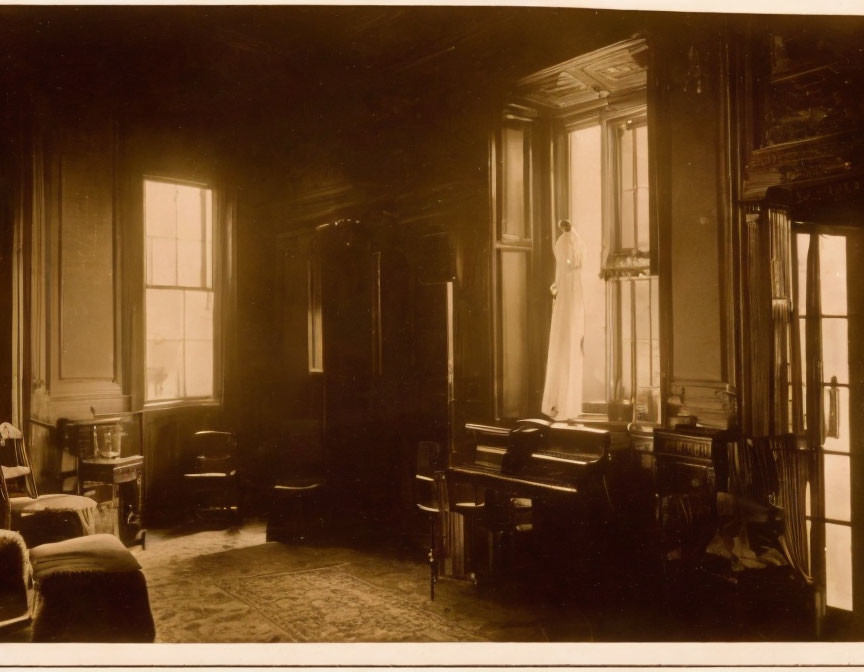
(832, 274)
(208, 237)
(634, 303)
(514, 183)
(198, 372)
(161, 260)
(179, 303)
(835, 349)
(189, 263)
(802, 244)
(837, 498)
(624, 390)
(838, 570)
(642, 215)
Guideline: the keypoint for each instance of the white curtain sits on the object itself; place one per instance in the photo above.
(562, 394)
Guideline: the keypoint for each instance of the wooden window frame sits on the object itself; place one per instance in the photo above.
(218, 284)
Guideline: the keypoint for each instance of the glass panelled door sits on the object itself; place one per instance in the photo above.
(828, 303)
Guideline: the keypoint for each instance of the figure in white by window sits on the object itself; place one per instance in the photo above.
(562, 394)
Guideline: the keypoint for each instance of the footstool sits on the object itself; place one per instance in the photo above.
(89, 589)
(295, 510)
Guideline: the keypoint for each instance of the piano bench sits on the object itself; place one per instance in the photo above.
(295, 511)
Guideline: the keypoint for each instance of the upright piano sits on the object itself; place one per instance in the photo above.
(538, 475)
(535, 458)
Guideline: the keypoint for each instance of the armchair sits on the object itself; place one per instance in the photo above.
(39, 518)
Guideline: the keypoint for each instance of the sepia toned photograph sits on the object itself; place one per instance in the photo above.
(430, 324)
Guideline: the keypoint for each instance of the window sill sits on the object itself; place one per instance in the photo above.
(169, 404)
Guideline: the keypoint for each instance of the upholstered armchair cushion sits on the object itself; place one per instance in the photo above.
(56, 502)
(97, 552)
(50, 518)
(89, 589)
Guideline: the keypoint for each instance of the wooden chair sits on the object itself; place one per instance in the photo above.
(211, 481)
(427, 501)
(40, 518)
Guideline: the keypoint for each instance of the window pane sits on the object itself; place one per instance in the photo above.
(802, 242)
(199, 368)
(160, 212)
(190, 222)
(840, 443)
(199, 344)
(643, 364)
(642, 239)
(832, 274)
(164, 343)
(642, 156)
(838, 561)
(585, 187)
(164, 314)
(835, 349)
(162, 261)
(514, 183)
(627, 212)
(642, 215)
(514, 325)
(625, 157)
(199, 315)
(643, 309)
(189, 263)
(626, 237)
(164, 364)
(208, 236)
(626, 341)
(837, 499)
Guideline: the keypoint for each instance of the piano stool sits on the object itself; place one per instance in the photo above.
(296, 510)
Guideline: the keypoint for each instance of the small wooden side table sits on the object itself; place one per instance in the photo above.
(115, 471)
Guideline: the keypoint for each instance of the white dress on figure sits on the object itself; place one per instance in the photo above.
(562, 394)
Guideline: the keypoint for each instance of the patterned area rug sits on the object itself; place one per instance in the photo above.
(231, 586)
(329, 605)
